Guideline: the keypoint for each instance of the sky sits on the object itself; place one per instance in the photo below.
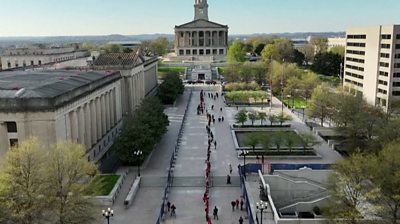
(129, 17)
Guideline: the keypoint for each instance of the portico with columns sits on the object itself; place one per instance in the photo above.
(201, 37)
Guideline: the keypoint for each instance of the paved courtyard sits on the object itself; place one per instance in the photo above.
(189, 172)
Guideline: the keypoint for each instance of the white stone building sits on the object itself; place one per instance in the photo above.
(372, 63)
(201, 39)
(86, 107)
(38, 55)
(336, 42)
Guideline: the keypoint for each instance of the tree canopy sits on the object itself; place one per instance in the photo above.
(236, 52)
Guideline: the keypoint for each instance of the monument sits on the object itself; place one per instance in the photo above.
(201, 39)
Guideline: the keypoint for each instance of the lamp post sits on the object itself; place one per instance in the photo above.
(261, 206)
(138, 153)
(107, 214)
(244, 153)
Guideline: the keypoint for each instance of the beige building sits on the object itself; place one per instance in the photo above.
(38, 55)
(86, 107)
(201, 39)
(372, 63)
(336, 42)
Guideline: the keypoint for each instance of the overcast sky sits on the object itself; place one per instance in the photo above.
(103, 17)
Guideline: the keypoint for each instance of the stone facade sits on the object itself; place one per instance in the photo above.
(201, 38)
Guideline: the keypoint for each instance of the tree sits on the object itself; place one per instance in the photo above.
(307, 140)
(252, 140)
(277, 139)
(338, 50)
(327, 64)
(90, 47)
(262, 116)
(385, 175)
(236, 52)
(347, 187)
(320, 44)
(21, 183)
(290, 140)
(272, 118)
(112, 48)
(309, 52)
(282, 118)
(159, 46)
(241, 116)
(66, 168)
(321, 105)
(266, 142)
(253, 115)
(298, 57)
(170, 89)
(270, 52)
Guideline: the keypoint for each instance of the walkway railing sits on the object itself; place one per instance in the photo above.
(170, 176)
(245, 196)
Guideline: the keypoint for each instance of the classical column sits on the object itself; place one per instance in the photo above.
(103, 115)
(81, 125)
(112, 96)
(93, 112)
(110, 123)
(198, 40)
(88, 126)
(74, 126)
(226, 38)
(98, 119)
(106, 107)
(67, 127)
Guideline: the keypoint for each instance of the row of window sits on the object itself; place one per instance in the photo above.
(355, 67)
(383, 82)
(397, 46)
(354, 82)
(359, 36)
(396, 93)
(382, 73)
(355, 75)
(385, 46)
(202, 52)
(385, 55)
(384, 64)
(355, 52)
(355, 60)
(396, 65)
(386, 36)
(397, 56)
(16, 64)
(353, 44)
(398, 36)
(396, 84)
(382, 91)
(396, 75)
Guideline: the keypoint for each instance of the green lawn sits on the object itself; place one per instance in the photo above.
(162, 71)
(171, 62)
(298, 103)
(333, 80)
(102, 185)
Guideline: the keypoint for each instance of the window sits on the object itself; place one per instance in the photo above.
(352, 44)
(396, 75)
(383, 73)
(355, 67)
(397, 46)
(355, 52)
(382, 91)
(397, 56)
(201, 52)
(384, 55)
(221, 51)
(9, 64)
(386, 46)
(384, 64)
(383, 82)
(396, 84)
(11, 127)
(13, 142)
(354, 75)
(396, 93)
(386, 36)
(32, 63)
(187, 52)
(208, 52)
(181, 52)
(357, 36)
(194, 52)
(397, 65)
(355, 60)
(23, 63)
(40, 62)
(398, 36)
(16, 64)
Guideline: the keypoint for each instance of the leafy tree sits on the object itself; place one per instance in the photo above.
(338, 50)
(252, 140)
(170, 89)
(241, 116)
(327, 64)
(66, 167)
(347, 188)
(90, 47)
(282, 118)
(112, 48)
(21, 183)
(270, 52)
(320, 44)
(321, 105)
(258, 49)
(236, 52)
(159, 46)
(277, 139)
(290, 140)
(266, 142)
(253, 115)
(309, 52)
(307, 140)
(262, 116)
(272, 118)
(298, 57)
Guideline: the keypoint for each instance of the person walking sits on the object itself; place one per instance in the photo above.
(241, 204)
(173, 208)
(233, 203)
(168, 206)
(241, 220)
(228, 179)
(215, 144)
(220, 109)
(230, 168)
(222, 118)
(215, 212)
(237, 204)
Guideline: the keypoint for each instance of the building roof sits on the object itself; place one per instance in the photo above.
(47, 90)
(121, 61)
(200, 23)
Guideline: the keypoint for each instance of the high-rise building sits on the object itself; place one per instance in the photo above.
(372, 63)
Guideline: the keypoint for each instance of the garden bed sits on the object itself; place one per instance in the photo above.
(261, 126)
(102, 185)
(282, 152)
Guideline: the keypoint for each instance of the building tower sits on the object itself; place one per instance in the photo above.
(200, 9)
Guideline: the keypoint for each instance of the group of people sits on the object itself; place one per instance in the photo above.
(235, 204)
(171, 209)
